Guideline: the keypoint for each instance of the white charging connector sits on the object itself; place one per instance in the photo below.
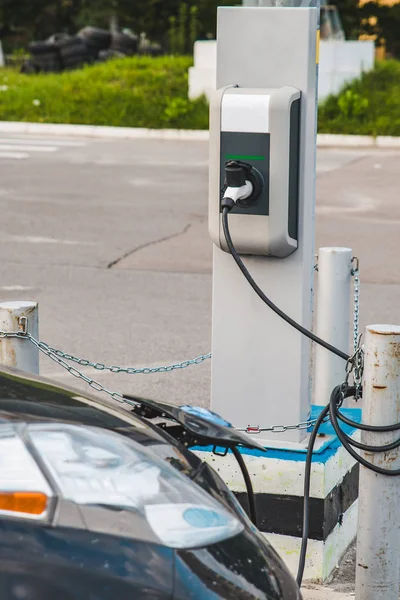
(239, 193)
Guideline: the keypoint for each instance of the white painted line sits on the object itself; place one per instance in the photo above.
(27, 148)
(30, 239)
(42, 142)
(62, 374)
(15, 288)
(14, 155)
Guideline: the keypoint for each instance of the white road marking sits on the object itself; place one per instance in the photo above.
(27, 148)
(19, 148)
(42, 142)
(62, 373)
(14, 155)
(30, 239)
(15, 288)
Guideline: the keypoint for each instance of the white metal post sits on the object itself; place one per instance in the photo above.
(16, 352)
(378, 539)
(333, 318)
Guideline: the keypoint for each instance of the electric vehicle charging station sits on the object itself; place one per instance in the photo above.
(263, 120)
(261, 221)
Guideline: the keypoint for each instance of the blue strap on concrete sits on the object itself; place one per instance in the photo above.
(322, 455)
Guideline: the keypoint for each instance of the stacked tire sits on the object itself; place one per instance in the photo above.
(63, 52)
(46, 57)
(124, 43)
(95, 40)
(73, 53)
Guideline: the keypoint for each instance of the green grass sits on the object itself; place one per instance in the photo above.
(129, 92)
(368, 106)
(152, 92)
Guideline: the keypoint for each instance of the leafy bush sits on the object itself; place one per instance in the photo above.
(368, 106)
(129, 92)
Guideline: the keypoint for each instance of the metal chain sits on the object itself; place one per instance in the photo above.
(61, 358)
(54, 355)
(83, 362)
(356, 314)
(253, 429)
(95, 385)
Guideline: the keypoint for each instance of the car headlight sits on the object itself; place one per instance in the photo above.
(24, 491)
(95, 467)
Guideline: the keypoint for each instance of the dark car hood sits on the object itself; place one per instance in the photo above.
(26, 397)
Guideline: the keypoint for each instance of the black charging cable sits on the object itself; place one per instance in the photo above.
(227, 205)
(331, 411)
(338, 394)
(249, 486)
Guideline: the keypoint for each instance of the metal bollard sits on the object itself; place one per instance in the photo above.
(16, 352)
(378, 538)
(333, 318)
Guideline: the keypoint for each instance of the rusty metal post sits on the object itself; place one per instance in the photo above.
(16, 352)
(378, 538)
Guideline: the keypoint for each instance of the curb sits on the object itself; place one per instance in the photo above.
(330, 140)
(324, 140)
(95, 131)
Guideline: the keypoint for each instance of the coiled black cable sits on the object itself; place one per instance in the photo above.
(333, 410)
(348, 442)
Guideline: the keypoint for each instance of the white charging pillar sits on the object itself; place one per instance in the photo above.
(260, 365)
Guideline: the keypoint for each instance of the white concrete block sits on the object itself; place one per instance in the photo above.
(201, 82)
(340, 63)
(205, 54)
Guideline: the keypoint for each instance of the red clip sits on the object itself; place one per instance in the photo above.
(253, 429)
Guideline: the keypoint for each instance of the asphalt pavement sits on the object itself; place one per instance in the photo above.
(110, 236)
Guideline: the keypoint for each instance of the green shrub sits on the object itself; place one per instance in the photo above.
(368, 106)
(153, 92)
(129, 92)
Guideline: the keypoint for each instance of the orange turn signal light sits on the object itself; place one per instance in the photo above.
(32, 503)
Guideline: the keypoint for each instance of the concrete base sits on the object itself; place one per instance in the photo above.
(278, 478)
(323, 556)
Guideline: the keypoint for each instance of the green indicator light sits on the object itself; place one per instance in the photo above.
(240, 157)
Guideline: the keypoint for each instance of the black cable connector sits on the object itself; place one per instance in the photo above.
(227, 203)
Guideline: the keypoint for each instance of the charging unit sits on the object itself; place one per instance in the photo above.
(260, 176)
(257, 130)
